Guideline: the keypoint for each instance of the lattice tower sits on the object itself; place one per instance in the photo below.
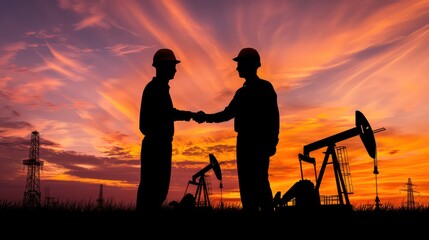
(410, 194)
(33, 164)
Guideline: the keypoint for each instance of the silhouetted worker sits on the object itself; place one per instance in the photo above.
(157, 116)
(257, 123)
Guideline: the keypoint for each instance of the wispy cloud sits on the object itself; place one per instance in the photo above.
(9, 51)
(62, 64)
(95, 17)
(124, 49)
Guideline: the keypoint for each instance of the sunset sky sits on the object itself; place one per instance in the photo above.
(74, 71)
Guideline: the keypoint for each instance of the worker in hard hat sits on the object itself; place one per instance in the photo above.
(257, 123)
(157, 116)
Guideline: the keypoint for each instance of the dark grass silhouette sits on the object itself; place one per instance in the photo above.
(87, 219)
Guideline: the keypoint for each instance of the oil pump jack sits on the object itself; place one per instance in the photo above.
(201, 197)
(304, 191)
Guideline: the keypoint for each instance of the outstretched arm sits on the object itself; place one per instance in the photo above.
(227, 114)
(181, 115)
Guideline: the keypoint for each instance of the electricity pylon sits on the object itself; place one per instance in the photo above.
(410, 194)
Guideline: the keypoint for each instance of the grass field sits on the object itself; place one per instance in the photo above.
(79, 219)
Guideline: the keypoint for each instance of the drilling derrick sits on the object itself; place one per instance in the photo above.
(32, 187)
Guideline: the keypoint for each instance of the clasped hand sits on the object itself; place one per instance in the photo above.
(199, 117)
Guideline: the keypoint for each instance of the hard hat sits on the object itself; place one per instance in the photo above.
(162, 55)
(248, 55)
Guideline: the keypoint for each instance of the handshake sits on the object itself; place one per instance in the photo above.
(199, 117)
